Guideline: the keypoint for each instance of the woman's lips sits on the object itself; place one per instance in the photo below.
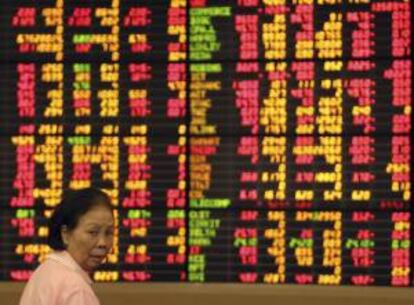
(98, 253)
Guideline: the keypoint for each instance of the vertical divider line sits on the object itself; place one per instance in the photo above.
(187, 135)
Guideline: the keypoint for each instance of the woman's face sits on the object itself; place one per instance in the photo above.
(91, 240)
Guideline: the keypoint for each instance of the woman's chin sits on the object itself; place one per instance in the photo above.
(94, 263)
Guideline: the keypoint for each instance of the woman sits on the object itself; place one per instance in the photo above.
(81, 233)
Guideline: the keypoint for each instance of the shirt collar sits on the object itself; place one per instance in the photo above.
(66, 259)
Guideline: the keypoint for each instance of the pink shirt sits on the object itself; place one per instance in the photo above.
(59, 281)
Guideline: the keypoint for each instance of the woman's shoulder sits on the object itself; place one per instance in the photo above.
(54, 282)
(52, 273)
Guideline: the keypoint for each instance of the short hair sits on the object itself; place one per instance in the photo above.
(73, 205)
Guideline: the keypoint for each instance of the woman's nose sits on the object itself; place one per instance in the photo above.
(102, 241)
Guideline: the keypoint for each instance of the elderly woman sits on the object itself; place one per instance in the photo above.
(81, 233)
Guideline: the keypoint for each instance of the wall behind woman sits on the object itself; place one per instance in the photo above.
(233, 294)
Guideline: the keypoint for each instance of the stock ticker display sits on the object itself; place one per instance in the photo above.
(240, 141)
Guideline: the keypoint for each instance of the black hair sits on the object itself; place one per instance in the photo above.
(73, 205)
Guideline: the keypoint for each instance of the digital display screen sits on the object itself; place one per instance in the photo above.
(240, 141)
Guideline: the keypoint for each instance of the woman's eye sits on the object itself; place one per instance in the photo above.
(94, 233)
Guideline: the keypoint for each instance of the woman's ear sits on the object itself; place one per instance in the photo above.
(64, 234)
